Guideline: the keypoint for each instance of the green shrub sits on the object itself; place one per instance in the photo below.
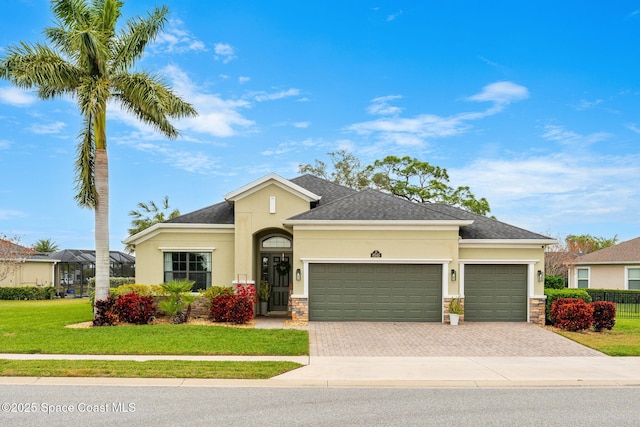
(215, 291)
(114, 282)
(553, 294)
(554, 282)
(177, 305)
(27, 293)
(144, 290)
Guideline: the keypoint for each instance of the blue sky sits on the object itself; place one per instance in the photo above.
(534, 105)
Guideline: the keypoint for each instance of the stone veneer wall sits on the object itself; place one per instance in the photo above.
(300, 309)
(537, 308)
(446, 302)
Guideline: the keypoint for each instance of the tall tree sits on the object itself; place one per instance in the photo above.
(149, 214)
(45, 245)
(12, 255)
(405, 177)
(586, 243)
(92, 62)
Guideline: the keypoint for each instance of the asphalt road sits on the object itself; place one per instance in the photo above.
(29, 405)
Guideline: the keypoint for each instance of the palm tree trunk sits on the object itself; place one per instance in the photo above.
(101, 210)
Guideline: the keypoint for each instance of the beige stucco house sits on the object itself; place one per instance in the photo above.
(615, 267)
(36, 269)
(333, 253)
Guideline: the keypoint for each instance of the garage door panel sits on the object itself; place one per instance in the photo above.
(375, 292)
(495, 293)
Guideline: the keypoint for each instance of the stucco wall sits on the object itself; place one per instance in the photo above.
(510, 254)
(605, 277)
(150, 258)
(31, 274)
(395, 244)
(252, 215)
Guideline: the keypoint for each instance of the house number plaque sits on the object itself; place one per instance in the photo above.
(376, 254)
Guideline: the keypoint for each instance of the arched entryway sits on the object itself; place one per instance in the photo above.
(275, 252)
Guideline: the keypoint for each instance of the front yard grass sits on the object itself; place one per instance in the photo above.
(39, 327)
(148, 369)
(622, 340)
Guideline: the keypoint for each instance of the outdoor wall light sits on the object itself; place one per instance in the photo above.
(453, 275)
(298, 275)
(540, 276)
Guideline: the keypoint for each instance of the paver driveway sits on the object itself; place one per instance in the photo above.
(440, 340)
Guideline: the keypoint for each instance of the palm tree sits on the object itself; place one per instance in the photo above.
(148, 215)
(45, 245)
(90, 61)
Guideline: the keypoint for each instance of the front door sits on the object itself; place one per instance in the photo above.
(276, 270)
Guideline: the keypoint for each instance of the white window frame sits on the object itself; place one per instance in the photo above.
(577, 279)
(626, 274)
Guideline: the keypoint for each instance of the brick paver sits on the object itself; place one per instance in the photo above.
(439, 340)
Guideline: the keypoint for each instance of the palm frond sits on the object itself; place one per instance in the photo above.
(137, 34)
(86, 195)
(38, 65)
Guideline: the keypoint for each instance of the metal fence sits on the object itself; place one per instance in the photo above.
(627, 302)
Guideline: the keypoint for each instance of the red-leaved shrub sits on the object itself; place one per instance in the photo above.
(135, 308)
(247, 290)
(571, 314)
(105, 312)
(231, 308)
(604, 315)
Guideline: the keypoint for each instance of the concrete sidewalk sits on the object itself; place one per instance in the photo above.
(384, 372)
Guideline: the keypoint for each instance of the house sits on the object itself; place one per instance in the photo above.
(21, 266)
(333, 253)
(615, 267)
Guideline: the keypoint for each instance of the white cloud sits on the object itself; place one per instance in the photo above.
(4, 144)
(585, 105)
(224, 52)
(417, 130)
(175, 39)
(563, 189)
(6, 214)
(265, 96)
(48, 129)
(302, 125)
(501, 93)
(243, 79)
(567, 137)
(633, 128)
(380, 106)
(393, 16)
(218, 117)
(17, 97)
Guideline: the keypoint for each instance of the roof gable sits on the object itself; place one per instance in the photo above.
(267, 180)
(628, 251)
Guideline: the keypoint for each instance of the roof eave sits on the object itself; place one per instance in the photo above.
(260, 183)
(505, 243)
(177, 226)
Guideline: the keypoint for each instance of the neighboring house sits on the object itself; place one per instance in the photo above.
(615, 267)
(34, 268)
(333, 253)
(76, 266)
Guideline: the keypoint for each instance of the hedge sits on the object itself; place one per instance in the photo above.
(114, 282)
(553, 294)
(27, 292)
(615, 295)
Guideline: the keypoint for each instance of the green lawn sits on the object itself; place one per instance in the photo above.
(39, 327)
(148, 369)
(622, 340)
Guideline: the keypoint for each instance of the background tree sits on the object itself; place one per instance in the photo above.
(586, 243)
(347, 170)
(568, 249)
(88, 60)
(45, 245)
(405, 177)
(148, 215)
(12, 255)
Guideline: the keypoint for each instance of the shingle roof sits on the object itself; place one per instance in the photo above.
(340, 203)
(628, 251)
(88, 256)
(372, 205)
(487, 228)
(220, 213)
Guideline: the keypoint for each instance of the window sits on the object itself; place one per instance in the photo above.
(633, 278)
(583, 278)
(276, 242)
(195, 266)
